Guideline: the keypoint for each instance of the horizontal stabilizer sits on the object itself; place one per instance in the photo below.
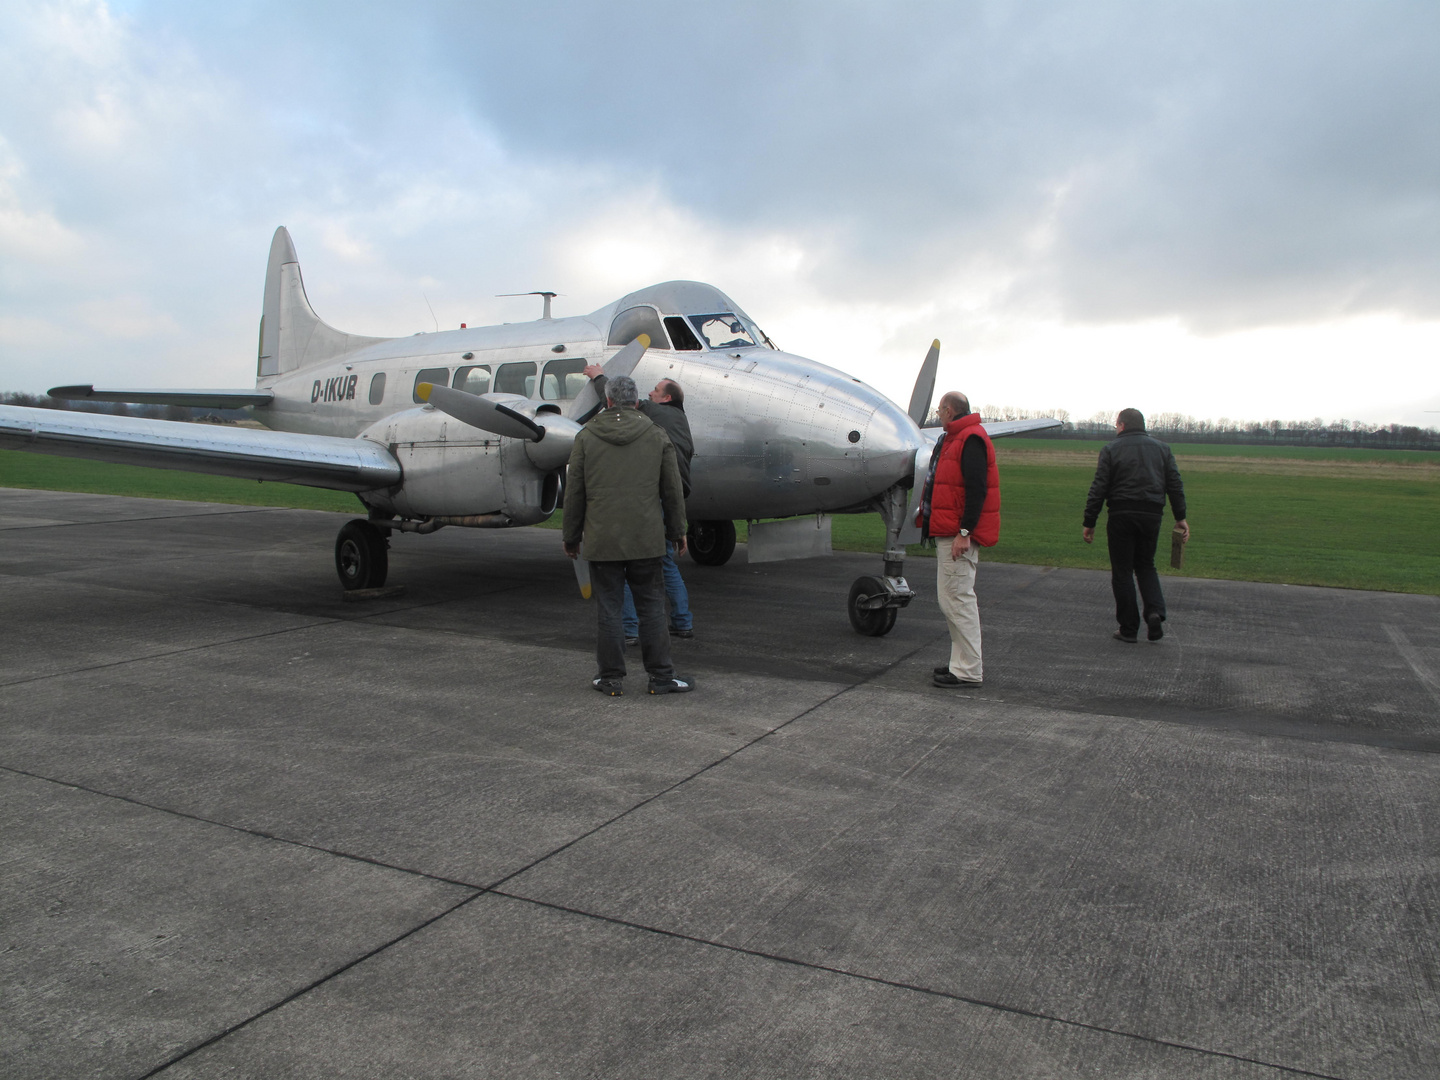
(322, 461)
(194, 399)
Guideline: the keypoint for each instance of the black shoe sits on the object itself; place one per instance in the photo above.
(681, 633)
(1129, 639)
(631, 642)
(611, 687)
(1157, 631)
(950, 682)
(671, 686)
(943, 669)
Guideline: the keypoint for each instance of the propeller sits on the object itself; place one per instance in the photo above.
(622, 363)
(480, 412)
(925, 385)
(548, 437)
(582, 577)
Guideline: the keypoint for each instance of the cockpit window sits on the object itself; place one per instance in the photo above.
(632, 322)
(723, 331)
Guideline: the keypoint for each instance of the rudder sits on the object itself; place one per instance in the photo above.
(292, 336)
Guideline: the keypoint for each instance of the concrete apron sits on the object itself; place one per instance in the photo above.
(251, 829)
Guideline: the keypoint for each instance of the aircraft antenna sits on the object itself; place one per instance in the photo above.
(432, 312)
(547, 295)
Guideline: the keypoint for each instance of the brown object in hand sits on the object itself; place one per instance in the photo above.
(1177, 548)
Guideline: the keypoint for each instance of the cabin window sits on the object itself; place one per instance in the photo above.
(377, 389)
(632, 322)
(563, 379)
(440, 376)
(723, 331)
(516, 379)
(681, 334)
(474, 379)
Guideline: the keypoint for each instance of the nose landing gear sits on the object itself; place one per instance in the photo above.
(874, 602)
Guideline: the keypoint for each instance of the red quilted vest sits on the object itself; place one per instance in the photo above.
(947, 503)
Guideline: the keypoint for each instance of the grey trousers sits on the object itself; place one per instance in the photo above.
(647, 586)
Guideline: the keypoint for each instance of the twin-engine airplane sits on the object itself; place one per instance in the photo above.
(473, 427)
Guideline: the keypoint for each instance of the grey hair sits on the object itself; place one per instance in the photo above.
(622, 392)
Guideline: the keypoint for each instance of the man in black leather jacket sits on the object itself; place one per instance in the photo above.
(1134, 475)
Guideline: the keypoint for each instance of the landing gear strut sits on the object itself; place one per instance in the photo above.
(711, 543)
(875, 602)
(362, 555)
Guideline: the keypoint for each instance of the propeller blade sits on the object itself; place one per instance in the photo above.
(582, 576)
(480, 412)
(925, 385)
(622, 363)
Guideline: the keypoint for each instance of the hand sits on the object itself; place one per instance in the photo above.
(959, 546)
(573, 550)
(679, 546)
(1088, 534)
(592, 370)
(1184, 527)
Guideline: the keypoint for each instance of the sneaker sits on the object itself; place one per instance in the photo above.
(943, 669)
(608, 686)
(1120, 635)
(950, 682)
(1157, 631)
(631, 642)
(681, 633)
(671, 686)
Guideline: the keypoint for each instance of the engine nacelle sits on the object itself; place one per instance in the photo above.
(451, 469)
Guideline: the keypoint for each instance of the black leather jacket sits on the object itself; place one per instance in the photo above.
(1135, 473)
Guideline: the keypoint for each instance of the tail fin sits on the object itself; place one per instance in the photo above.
(292, 336)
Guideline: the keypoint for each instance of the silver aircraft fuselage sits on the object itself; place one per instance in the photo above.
(776, 435)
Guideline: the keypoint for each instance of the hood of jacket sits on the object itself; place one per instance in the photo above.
(620, 426)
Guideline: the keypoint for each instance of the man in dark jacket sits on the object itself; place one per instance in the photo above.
(623, 497)
(665, 407)
(1134, 475)
(960, 508)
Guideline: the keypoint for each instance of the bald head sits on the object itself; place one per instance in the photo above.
(952, 405)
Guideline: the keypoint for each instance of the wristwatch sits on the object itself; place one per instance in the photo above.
(964, 532)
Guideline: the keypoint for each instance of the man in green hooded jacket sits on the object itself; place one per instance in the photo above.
(623, 498)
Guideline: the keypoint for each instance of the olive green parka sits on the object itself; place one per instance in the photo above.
(622, 488)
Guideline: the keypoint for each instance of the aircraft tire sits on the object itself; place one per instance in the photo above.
(872, 622)
(362, 557)
(711, 543)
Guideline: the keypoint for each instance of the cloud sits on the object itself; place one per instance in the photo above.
(1048, 187)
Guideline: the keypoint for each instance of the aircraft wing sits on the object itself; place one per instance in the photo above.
(997, 428)
(322, 461)
(195, 399)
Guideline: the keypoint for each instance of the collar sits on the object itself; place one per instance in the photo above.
(960, 423)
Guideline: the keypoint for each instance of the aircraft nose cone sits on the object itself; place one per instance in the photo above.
(890, 441)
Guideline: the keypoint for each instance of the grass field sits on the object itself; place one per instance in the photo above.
(1362, 519)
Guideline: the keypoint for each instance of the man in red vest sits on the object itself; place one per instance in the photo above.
(960, 508)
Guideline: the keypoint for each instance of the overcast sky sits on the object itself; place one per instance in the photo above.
(1221, 209)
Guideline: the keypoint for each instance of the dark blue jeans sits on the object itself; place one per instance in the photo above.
(647, 585)
(675, 592)
(1132, 537)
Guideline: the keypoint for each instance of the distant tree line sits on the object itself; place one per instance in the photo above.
(115, 408)
(1178, 427)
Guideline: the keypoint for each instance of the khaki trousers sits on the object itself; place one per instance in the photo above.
(955, 589)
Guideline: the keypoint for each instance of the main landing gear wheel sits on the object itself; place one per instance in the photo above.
(362, 556)
(868, 615)
(711, 543)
